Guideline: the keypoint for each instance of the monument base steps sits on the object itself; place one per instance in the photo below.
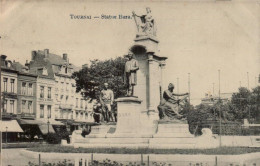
(130, 146)
(168, 136)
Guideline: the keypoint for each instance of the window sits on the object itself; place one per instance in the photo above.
(67, 97)
(81, 103)
(67, 115)
(41, 111)
(67, 87)
(49, 92)
(72, 100)
(81, 115)
(61, 97)
(12, 85)
(5, 106)
(62, 86)
(42, 92)
(30, 107)
(23, 88)
(49, 111)
(30, 89)
(5, 84)
(61, 114)
(11, 106)
(23, 106)
(56, 115)
(77, 115)
(77, 102)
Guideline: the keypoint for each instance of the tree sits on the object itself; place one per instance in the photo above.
(240, 101)
(255, 104)
(90, 80)
(198, 117)
(246, 104)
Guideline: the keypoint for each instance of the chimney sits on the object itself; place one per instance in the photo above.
(33, 55)
(46, 53)
(27, 64)
(3, 57)
(65, 56)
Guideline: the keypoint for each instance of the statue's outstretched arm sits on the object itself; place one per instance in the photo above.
(170, 96)
(135, 14)
(181, 94)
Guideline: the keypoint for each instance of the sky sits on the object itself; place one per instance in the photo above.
(198, 37)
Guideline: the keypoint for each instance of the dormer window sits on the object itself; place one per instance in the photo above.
(44, 72)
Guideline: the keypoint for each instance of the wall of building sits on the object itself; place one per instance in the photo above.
(45, 101)
(10, 94)
(26, 95)
(68, 102)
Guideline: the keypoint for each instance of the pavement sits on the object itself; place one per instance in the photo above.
(18, 157)
(13, 157)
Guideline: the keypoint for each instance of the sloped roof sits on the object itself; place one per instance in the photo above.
(19, 67)
(50, 62)
(53, 58)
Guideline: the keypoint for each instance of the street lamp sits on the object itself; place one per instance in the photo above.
(219, 109)
(48, 123)
(6, 135)
(189, 86)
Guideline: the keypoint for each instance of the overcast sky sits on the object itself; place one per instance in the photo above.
(198, 37)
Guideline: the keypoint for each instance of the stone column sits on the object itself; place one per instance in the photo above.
(151, 79)
(162, 83)
(150, 116)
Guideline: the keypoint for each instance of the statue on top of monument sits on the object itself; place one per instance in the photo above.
(131, 67)
(147, 24)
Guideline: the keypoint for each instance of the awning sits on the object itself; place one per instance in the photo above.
(44, 129)
(83, 123)
(10, 126)
(30, 122)
(52, 122)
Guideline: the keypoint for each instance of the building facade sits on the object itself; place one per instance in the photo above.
(213, 99)
(45, 98)
(65, 103)
(26, 92)
(8, 87)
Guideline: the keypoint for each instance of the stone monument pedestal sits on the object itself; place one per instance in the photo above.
(172, 134)
(129, 128)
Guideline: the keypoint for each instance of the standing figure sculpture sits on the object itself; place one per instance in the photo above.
(131, 67)
(147, 23)
(106, 100)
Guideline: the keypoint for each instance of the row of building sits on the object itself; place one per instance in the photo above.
(210, 99)
(42, 91)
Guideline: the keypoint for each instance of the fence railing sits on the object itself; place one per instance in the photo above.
(227, 128)
(143, 160)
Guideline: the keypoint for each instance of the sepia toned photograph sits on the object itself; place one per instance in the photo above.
(130, 83)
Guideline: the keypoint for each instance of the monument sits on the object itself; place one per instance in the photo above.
(138, 116)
